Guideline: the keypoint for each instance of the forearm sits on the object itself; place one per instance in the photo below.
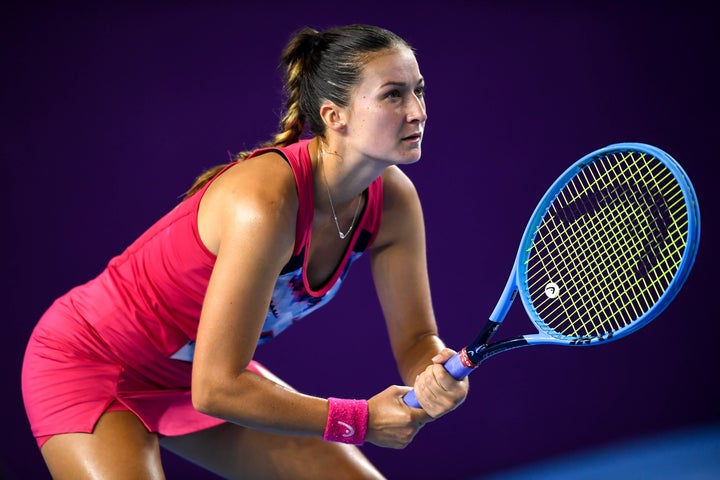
(414, 359)
(256, 402)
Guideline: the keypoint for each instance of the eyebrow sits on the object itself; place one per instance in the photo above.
(402, 84)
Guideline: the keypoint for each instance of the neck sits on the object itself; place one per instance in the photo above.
(342, 233)
(347, 177)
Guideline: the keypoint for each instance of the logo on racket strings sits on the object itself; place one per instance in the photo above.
(552, 290)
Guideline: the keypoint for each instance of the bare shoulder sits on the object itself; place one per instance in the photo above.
(257, 191)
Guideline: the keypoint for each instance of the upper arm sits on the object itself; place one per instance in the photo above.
(399, 267)
(249, 221)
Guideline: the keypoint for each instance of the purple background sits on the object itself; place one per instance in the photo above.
(108, 112)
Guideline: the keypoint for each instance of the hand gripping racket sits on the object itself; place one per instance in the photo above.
(606, 250)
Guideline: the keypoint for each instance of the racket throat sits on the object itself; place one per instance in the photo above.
(472, 355)
(483, 337)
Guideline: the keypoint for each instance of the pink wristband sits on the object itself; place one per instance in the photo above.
(347, 421)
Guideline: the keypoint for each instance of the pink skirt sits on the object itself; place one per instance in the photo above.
(71, 376)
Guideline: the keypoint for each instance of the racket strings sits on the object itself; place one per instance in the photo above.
(611, 241)
(589, 270)
(609, 293)
(645, 255)
(587, 266)
(620, 243)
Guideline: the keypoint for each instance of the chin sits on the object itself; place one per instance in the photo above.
(412, 156)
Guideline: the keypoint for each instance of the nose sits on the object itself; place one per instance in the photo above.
(416, 110)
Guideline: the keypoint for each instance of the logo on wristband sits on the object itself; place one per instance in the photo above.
(349, 430)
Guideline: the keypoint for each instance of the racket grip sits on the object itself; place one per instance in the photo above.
(454, 366)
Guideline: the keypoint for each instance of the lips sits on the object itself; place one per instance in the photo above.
(414, 136)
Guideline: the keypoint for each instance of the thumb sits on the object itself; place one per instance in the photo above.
(443, 356)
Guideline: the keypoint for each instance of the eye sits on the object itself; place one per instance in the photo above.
(420, 91)
(395, 93)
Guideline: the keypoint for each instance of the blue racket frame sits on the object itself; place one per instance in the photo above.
(467, 360)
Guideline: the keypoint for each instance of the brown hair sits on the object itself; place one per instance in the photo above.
(318, 66)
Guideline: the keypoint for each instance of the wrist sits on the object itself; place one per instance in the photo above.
(347, 421)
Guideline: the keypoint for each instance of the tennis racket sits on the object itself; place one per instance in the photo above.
(606, 250)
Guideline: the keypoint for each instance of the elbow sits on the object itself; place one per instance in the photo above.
(206, 395)
(218, 395)
(202, 399)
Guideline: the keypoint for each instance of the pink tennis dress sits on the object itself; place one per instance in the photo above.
(124, 340)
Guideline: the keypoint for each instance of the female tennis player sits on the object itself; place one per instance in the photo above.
(158, 349)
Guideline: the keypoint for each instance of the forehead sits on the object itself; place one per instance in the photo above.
(397, 65)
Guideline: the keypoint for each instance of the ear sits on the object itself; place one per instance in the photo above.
(333, 115)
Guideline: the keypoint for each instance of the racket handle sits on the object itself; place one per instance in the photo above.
(454, 366)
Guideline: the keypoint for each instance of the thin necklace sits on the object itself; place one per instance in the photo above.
(332, 207)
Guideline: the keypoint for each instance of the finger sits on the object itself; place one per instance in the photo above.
(443, 379)
(435, 382)
(443, 356)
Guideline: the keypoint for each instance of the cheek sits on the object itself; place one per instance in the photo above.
(369, 122)
(374, 123)
(380, 120)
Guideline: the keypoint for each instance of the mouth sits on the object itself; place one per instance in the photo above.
(415, 137)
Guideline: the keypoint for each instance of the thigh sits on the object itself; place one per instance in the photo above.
(237, 452)
(120, 447)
